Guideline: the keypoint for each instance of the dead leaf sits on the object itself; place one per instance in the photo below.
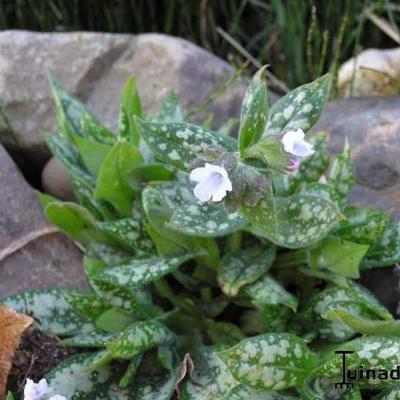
(12, 326)
(186, 367)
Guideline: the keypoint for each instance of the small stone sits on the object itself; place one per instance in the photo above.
(56, 180)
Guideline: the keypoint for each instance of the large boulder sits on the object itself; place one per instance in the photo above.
(49, 261)
(94, 67)
(372, 126)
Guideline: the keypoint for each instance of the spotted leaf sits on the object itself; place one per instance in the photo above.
(50, 309)
(243, 267)
(299, 109)
(171, 110)
(241, 392)
(211, 379)
(342, 176)
(130, 106)
(254, 113)
(387, 251)
(140, 272)
(205, 220)
(362, 225)
(179, 143)
(297, 221)
(70, 379)
(86, 304)
(139, 337)
(92, 339)
(273, 361)
(363, 325)
(73, 117)
(267, 291)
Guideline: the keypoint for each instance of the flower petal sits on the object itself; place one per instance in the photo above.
(198, 174)
(203, 191)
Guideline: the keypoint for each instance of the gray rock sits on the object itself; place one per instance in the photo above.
(94, 67)
(373, 128)
(49, 261)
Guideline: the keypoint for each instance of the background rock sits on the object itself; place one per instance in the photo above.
(94, 67)
(373, 128)
(51, 260)
(372, 73)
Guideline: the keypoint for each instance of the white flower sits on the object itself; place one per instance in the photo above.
(294, 143)
(213, 182)
(35, 391)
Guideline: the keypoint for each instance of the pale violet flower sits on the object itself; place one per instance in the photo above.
(213, 182)
(39, 391)
(294, 143)
(35, 391)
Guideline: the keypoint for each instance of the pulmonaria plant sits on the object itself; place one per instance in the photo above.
(218, 268)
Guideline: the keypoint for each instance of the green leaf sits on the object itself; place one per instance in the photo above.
(92, 153)
(179, 143)
(50, 309)
(140, 272)
(138, 176)
(111, 185)
(342, 256)
(273, 361)
(130, 372)
(363, 225)
(130, 106)
(76, 222)
(114, 320)
(171, 110)
(387, 251)
(365, 326)
(139, 337)
(73, 118)
(391, 393)
(10, 396)
(87, 340)
(224, 333)
(267, 291)
(205, 220)
(243, 267)
(342, 175)
(299, 109)
(254, 113)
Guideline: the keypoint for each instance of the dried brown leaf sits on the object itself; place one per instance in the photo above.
(12, 326)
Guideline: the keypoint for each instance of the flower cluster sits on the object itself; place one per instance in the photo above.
(214, 182)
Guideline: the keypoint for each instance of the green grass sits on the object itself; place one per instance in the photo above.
(300, 39)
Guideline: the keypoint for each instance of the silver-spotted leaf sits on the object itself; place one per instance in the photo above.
(171, 110)
(205, 220)
(254, 115)
(241, 392)
(140, 272)
(243, 267)
(139, 337)
(273, 361)
(50, 309)
(87, 340)
(130, 106)
(179, 143)
(299, 109)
